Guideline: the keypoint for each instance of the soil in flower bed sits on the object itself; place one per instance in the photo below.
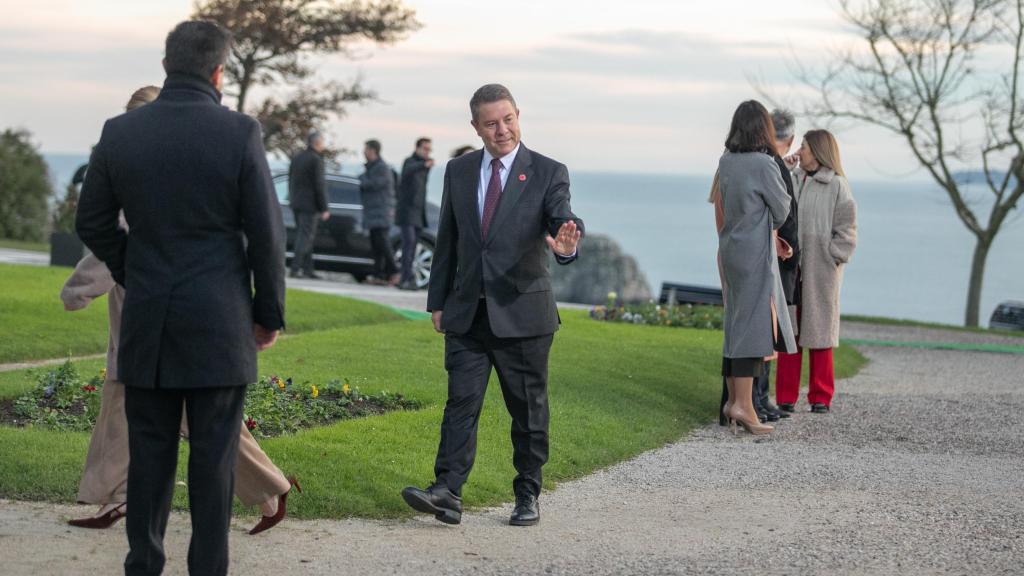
(63, 400)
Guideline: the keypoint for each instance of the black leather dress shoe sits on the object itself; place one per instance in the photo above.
(436, 500)
(773, 409)
(819, 408)
(787, 408)
(527, 511)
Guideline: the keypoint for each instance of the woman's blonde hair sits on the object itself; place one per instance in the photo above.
(142, 96)
(825, 149)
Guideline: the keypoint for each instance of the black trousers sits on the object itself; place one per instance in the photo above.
(383, 256)
(410, 234)
(154, 420)
(305, 233)
(522, 367)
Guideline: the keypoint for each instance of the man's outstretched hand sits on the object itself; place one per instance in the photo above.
(264, 338)
(565, 242)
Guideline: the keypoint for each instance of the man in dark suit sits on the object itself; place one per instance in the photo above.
(307, 197)
(203, 272)
(503, 209)
(411, 215)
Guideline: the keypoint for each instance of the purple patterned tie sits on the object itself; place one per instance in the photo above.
(493, 195)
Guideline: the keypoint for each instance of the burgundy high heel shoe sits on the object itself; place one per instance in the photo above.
(268, 522)
(100, 522)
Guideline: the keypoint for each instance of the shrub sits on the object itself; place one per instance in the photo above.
(678, 316)
(24, 187)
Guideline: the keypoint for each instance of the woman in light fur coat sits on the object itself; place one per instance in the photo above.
(827, 225)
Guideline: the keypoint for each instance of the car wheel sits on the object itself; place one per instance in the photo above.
(422, 260)
(359, 277)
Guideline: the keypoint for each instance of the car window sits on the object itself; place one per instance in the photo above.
(281, 188)
(339, 192)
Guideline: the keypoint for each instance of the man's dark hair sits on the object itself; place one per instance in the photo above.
(422, 141)
(489, 93)
(462, 150)
(374, 145)
(752, 129)
(197, 47)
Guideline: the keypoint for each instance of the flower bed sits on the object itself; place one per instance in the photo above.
(679, 315)
(64, 400)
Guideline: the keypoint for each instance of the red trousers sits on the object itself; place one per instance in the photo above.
(822, 383)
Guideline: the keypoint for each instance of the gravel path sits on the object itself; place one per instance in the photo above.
(916, 471)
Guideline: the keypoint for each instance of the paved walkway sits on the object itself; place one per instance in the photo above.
(916, 471)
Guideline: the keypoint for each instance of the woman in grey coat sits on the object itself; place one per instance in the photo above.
(828, 236)
(754, 203)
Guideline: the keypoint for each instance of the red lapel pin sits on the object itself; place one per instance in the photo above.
(522, 177)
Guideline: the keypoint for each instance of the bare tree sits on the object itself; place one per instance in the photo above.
(919, 79)
(273, 42)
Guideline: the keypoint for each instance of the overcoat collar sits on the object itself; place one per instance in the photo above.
(178, 84)
(824, 174)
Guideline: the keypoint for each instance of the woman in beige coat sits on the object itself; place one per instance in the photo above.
(827, 224)
(105, 477)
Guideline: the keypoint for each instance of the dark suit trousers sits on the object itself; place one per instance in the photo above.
(383, 256)
(522, 367)
(154, 420)
(410, 234)
(305, 233)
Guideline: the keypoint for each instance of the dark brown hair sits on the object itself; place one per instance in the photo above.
(752, 129)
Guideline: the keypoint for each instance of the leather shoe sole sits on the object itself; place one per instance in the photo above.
(522, 522)
(417, 502)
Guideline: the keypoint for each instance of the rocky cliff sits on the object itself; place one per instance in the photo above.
(601, 268)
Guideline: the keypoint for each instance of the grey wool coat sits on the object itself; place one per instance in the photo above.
(377, 185)
(827, 225)
(754, 202)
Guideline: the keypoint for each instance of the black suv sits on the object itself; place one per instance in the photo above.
(1008, 315)
(342, 244)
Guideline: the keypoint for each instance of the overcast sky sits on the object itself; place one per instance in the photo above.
(646, 85)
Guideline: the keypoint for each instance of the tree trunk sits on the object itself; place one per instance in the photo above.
(243, 88)
(976, 281)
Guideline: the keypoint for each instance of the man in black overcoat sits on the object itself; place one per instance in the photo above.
(411, 215)
(504, 210)
(203, 272)
(307, 197)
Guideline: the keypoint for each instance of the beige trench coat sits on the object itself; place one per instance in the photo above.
(105, 476)
(828, 235)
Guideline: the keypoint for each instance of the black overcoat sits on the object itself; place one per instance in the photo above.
(205, 256)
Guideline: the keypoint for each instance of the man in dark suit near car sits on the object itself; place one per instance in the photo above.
(203, 272)
(307, 197)
(411, 215)
(503, 209)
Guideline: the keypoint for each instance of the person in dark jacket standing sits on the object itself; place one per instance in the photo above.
(377, 184)
(203, 273)
(411, 215)
(307, 196)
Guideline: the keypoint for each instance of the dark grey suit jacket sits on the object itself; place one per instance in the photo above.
(510, 266)
(205, 257)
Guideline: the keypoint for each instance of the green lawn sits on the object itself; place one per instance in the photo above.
(37, 327)
(23, 245)
(616, 390)
(917, 323)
